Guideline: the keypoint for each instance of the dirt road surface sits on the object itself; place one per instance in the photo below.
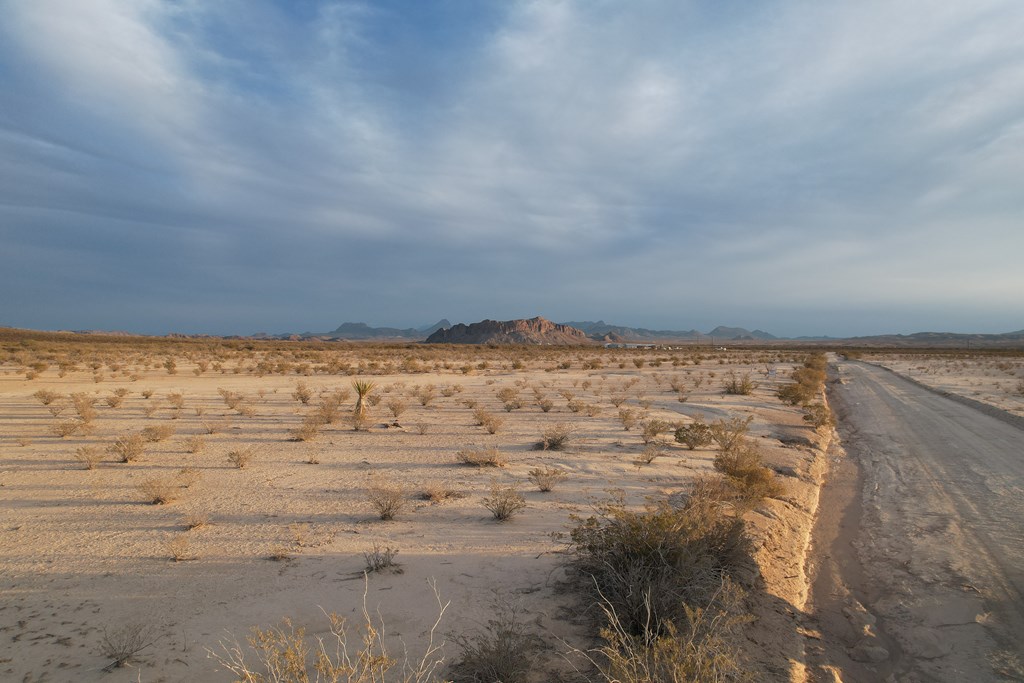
(919, 573)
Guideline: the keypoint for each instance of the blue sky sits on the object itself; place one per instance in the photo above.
(245, 165)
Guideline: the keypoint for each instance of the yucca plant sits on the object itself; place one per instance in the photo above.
(362, 389)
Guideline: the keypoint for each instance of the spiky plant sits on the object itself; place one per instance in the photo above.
(362, 389)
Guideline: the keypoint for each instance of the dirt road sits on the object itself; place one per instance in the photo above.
(920, 554)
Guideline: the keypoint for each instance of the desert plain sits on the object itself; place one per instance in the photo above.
(89, 552)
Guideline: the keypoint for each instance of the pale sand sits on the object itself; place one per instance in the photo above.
(81, 550)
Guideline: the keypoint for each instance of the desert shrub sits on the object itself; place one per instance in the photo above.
(728, 434)
(216, 426)
(617, 400)
(426, 394)
(504, 501)
(66, 428)
(751, 479)
(56, 409)
(157, 433)
(546, 478)
(176, 399)
(397, 406)
(196, 520)
(501, 651)
(242, 457)
(303, 394)
(741, 386)
(90, 456)
(545, 404)
(123, 643)
(362, 388)
(179, 547)
(628, 417)
(651, 429)
(387, 499)
(195, 444)
(439, 491)
(647, 456)
(492, 423)
(114, 401)
(45, 396)
(84, 406)
(146, 393)
(693, 436)
(380, 558)
(819, 415)
(308, 430)
(127, 447)
(647, 566)
(807, 381)
(556, 437)
(283, 654)
(160, 490)
(188, 476)
(422, 428)
(484, 457)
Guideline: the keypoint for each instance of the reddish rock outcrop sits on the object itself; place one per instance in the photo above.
(532, 331)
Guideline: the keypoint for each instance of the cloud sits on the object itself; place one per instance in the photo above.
(653, 161)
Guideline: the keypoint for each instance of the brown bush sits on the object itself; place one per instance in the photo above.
(489, 457)
(127, 447)
(546, 478)
(504, 501)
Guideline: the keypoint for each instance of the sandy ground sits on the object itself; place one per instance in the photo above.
(995, 380)
(83, 552)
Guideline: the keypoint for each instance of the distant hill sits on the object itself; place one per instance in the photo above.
(362, 331)
(533, 331)
(620, 333)
(942, 339)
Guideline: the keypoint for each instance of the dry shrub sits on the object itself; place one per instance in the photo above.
(308, 430)
(502, 651)
(647, 456)
(195, 444)
(157, 433)
(302, 393)
(146, 393)
(90, 456)
(819, 415)
(647, 567)
(694, 436)
(504, 501)
(387, 499)
(214, 427)
(196, 520)
(188, 476)
(545, 404)
(56, 409)
(739, 386)
(84, 406)
(180, 548)
(651, 429)
(422, 428)
(752, 480)
(127, 447)
(121, 644)
(242, 457)
(160, 490)
(556, 437)
(729, 434)
(628, 417)
(439, 491)
(483, 457)
(397, 406)
(492, 423)
(114, 401)
(546, 478)
(285, 654)
(66, 428)
(45, 396)
(176, 399)
(380, 558)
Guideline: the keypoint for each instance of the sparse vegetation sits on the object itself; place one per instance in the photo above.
(380, 558)
(556, 437)
(160, 490)
(127, 447)
(504, 502)
(546, 478)
(242, 457)
(484, 457)
(387, 499)
(693, 436)
(90, 456)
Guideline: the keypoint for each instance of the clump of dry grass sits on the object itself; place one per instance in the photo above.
(125, 642)
(556, 437)
(127, 447)
(242, 457)
(647, 456)
(303, 394)
(308, 430)
(503, 650)
(546, 478)
(90, 456)
(45, 396)
(504, 502)
(397, 406)
(439, 491)
(387, 498)
(160, 490)
(380, 558)
(188, 476)
(180, 548)
(66, 428)
(156, 433)
(482, 457)
(196, 520)
(195, 443)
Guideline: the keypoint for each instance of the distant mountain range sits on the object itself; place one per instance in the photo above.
(598, 331)
(533, 331)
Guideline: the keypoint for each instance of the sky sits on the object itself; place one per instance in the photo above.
(233, 166)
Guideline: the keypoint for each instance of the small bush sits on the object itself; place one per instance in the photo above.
(750, 478)
(308, 430)
(694, 436)
(650, 452)
(819, 415)
(160, 490)
(439, 491)
(504, 501)
(397, 406)
(489, 457)
(127, 447)
(728, 434)
(157, 433)
(387, 499)
(740, 386)
(195, 444)
(45, 396)
(66, 428)
(188, 476)
(90, 456)
(180, 548)
(652, 429)
(302, 393)
(380, 558)
(546, 478)
(556, 437)
(125, 642)
(501, 652)
(242, 457)
(628, 417)
(196, 520)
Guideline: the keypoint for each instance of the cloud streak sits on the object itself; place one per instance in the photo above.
(229, 167)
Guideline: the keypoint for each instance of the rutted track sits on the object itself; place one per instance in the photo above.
(940, 544)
